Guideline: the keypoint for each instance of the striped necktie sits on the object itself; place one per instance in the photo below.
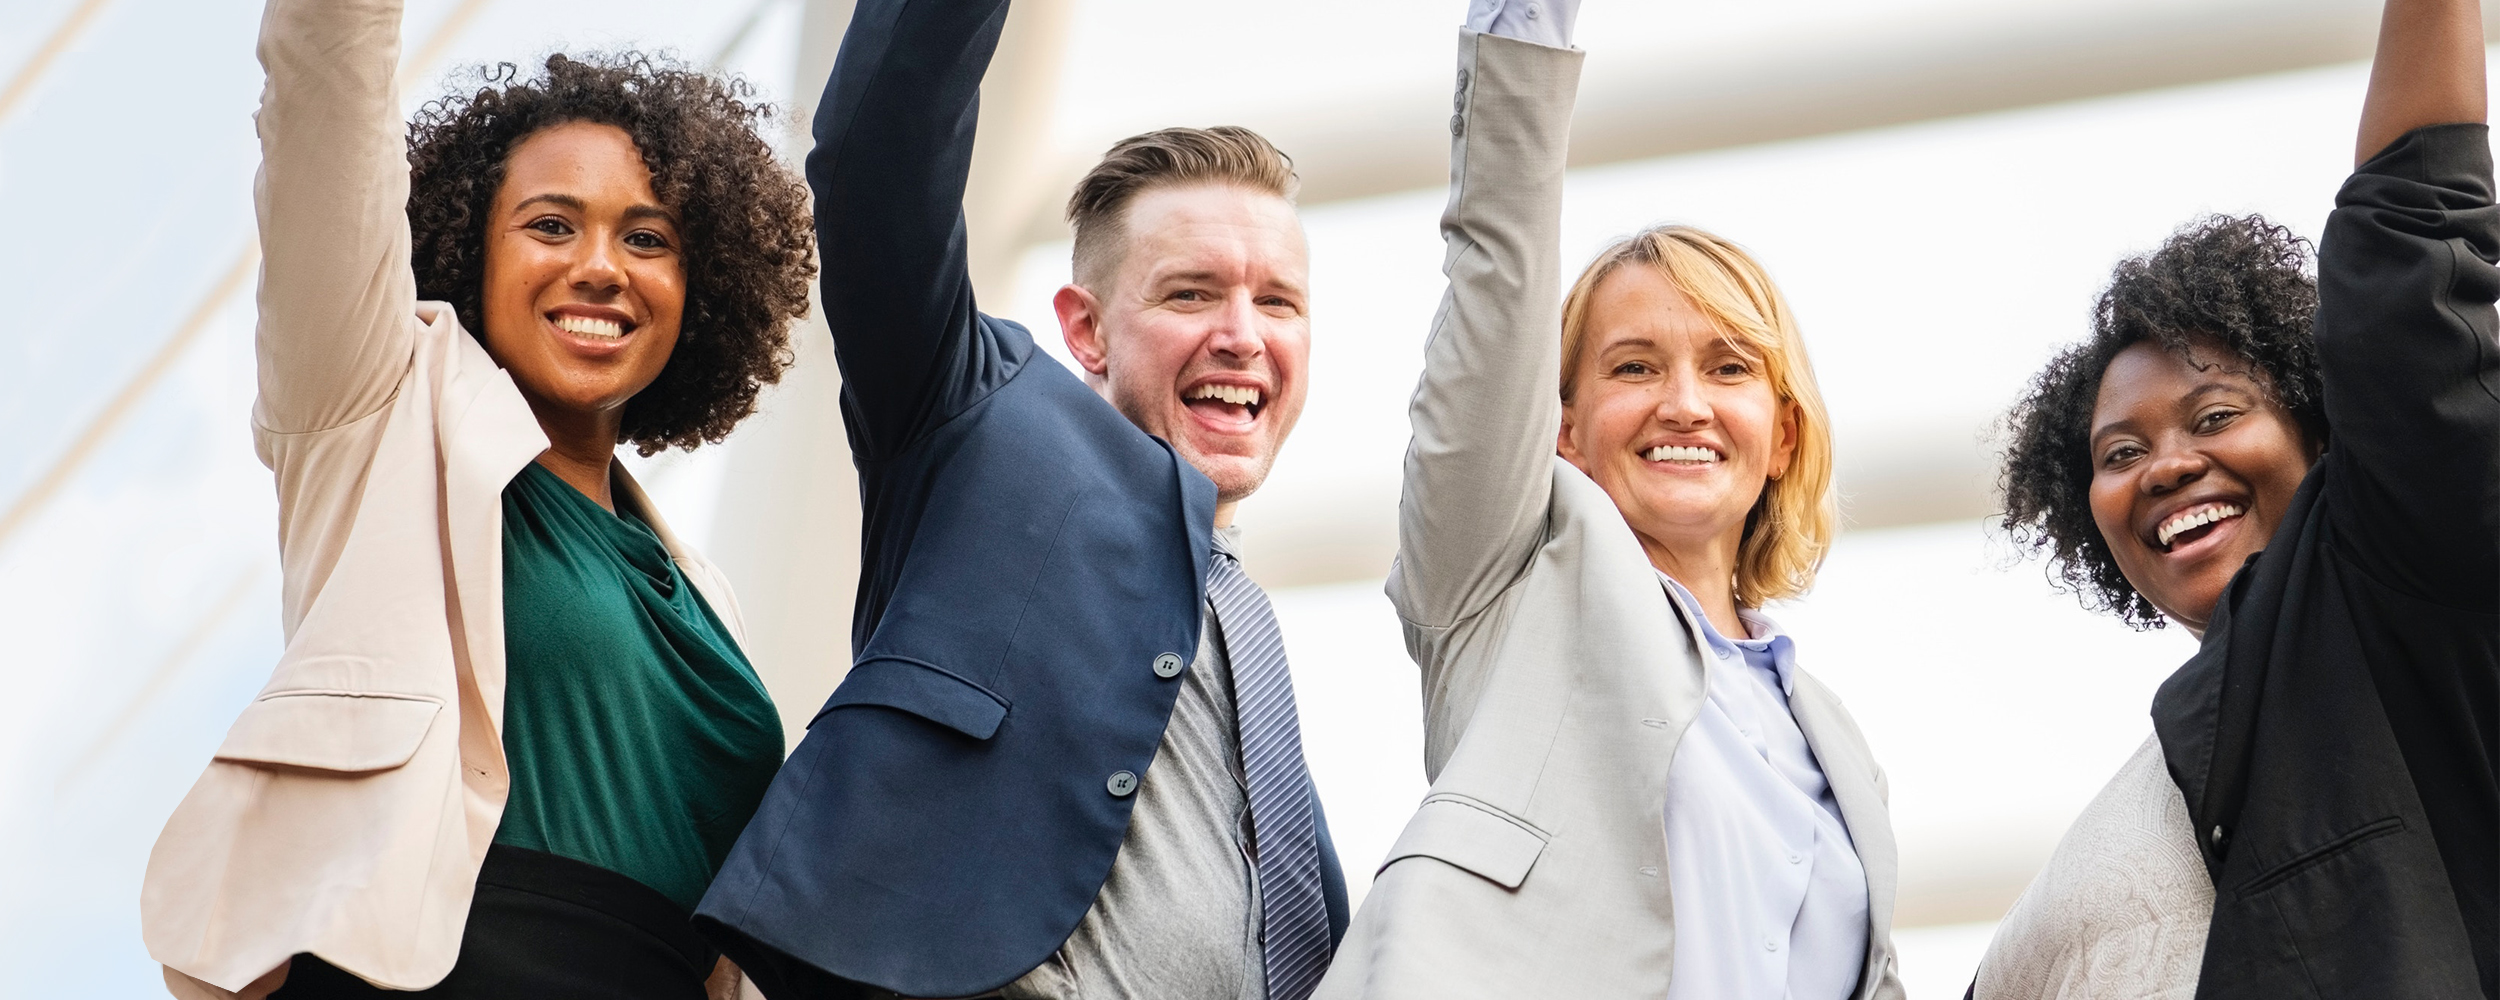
(1284, 834)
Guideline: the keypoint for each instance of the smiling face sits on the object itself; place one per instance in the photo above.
(1674, 420)
(584, 285)
(1202, 333)
(2193, 464)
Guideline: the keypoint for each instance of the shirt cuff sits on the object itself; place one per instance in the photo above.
(1545, 22)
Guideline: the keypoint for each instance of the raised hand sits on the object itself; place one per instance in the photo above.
(2428, 71)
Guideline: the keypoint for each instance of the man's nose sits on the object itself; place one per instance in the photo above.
(1236, 333)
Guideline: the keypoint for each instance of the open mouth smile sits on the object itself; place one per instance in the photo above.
(589, 328)
(595, 329)
(591, 331)
(2194, 524)
(1687, 455)
(1225, 404)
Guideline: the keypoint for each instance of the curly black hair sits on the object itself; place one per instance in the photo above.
(748, 239)
(2241, 282)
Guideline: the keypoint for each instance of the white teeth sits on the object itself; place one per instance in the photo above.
(1680, 453)
(599, 329)
(2196, 518)
(1238, 395)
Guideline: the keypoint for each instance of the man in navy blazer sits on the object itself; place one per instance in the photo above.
(974, 809)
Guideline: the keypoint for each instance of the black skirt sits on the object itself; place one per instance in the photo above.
(544, 927)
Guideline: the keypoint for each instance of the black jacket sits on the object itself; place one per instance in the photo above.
(2334, 734)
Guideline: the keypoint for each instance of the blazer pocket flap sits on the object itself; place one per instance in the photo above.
(923, 689)
(1483, 840)
(331, 730)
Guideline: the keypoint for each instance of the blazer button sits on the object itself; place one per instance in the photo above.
(1167, 666)
(1458, 125)
(1121, 783)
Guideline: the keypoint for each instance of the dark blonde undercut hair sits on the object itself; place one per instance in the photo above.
(1225, 154)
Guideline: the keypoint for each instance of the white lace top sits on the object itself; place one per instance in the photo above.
(2121, 909)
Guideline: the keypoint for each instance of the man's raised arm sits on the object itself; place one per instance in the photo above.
(893, 147)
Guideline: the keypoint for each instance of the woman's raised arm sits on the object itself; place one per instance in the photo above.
(336, 293)
(2405, 325)
(2428, 71)
(1479, 470)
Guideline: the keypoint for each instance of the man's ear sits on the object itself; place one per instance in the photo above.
(1080, 323)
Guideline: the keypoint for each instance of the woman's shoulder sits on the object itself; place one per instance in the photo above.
(2122, 906)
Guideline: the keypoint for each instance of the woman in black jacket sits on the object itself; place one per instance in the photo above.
(2314, 492)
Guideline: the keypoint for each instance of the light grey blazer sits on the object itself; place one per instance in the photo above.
(1558, 676)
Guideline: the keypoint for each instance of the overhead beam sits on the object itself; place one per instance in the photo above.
(1846, 75)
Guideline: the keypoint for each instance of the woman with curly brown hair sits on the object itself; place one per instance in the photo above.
(512, 734)
(2306, 474)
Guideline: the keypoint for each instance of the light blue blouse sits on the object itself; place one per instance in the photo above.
(1770, 898)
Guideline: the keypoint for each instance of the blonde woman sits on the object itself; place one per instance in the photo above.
(1636, 792)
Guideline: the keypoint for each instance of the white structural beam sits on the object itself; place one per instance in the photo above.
(1815, 80)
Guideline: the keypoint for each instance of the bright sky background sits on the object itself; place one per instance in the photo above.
(1934, 266)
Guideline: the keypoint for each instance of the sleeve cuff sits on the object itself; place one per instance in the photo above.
(2438, 154)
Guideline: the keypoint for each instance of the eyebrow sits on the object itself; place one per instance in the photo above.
(1216, 278)
(1168, 276)
(2201, 390)
(635, 213)
(559, 200)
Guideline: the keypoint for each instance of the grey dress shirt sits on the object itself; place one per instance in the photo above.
(1179, 914)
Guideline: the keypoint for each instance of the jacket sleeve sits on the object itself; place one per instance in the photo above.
(1479, 470)
(337, 300)
(2405, 334)
(893, 150)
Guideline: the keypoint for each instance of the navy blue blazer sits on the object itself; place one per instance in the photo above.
(1026, 554)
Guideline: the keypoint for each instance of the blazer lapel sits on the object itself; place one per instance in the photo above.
(1841, 750)
(488, 435)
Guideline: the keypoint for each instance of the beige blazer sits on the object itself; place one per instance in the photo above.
(349, 808)
(1557, 675)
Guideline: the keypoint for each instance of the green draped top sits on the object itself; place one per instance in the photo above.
(638, 738)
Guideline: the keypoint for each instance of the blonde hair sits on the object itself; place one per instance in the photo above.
(1792, 523)
(1225, 154)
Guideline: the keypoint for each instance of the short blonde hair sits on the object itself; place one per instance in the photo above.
(1792, 524)
(1225, 154)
